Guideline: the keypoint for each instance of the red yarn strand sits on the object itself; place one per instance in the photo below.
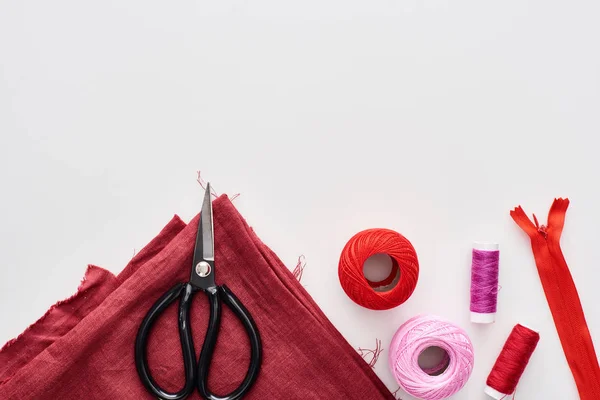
(299, 268)
(373, 353)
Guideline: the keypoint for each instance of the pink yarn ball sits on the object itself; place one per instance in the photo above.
(416, 335)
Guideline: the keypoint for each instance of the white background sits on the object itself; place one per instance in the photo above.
(433, 118)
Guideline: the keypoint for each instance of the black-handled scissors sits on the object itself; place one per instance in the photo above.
(202, 279)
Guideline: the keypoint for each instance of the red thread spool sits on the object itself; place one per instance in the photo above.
(390, 292)
(511, 362)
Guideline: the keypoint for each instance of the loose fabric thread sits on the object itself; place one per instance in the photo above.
(390, 292)
(511, 362)
(372, 353)
(299, 268)
(415, 336)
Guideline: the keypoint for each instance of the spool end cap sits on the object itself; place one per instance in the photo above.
(480, 318)
(489, 246)
(490, 391)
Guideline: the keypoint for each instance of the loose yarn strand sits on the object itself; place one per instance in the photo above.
(364, 353)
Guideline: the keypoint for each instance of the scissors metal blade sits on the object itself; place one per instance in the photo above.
(203, 274)
(205, 228)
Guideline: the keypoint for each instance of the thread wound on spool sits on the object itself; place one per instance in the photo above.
(397, 287)
(511, 362)
(484, 283)
(415, 336)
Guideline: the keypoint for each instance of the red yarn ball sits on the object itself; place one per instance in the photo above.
(362, 246)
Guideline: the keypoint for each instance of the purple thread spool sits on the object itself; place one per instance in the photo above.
(484, 282)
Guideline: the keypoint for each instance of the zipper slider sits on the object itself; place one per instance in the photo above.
(543, 229)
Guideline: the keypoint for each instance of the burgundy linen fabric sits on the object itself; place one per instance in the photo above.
(96, 285)
(304, 356)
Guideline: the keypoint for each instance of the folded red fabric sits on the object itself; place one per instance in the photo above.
(88, 354)
(96, 285)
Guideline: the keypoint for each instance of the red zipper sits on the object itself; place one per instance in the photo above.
(562, 297)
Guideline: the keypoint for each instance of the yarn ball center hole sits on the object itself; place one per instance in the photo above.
(434, 360)
(381, 272)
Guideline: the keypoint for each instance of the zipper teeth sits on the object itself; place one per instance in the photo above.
(590, 361)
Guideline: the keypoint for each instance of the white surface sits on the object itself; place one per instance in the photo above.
(433, 118)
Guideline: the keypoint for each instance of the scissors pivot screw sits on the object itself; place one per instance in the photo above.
(203, 269)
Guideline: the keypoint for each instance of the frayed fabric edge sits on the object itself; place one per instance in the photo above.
(81, 289)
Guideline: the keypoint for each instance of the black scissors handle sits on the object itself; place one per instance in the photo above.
(222, 293)
(184, 292)
(197, 375)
